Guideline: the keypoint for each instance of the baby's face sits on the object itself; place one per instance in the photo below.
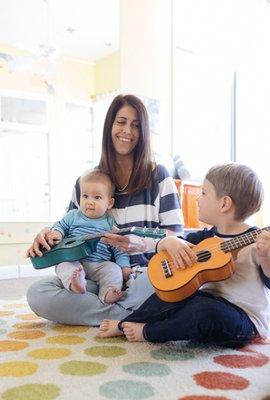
(95, 199)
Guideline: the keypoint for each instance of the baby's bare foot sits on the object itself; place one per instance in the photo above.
(133, 331)
(77, 283)
(109, 328)
(113, 295)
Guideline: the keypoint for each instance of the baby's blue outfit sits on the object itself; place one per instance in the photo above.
(99, 266)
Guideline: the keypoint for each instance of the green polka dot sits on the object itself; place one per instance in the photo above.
(82, 368)
(2, 322)
(201, 347)
(116, 339)
(3, 331)
(169, 354)
(105, 351)
(147, 369)
(32, 392)
(126, 390)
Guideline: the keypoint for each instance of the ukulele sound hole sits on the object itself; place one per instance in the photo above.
(203, 256)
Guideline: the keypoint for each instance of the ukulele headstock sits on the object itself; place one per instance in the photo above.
(155, 233)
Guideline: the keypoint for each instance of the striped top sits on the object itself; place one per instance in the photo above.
(156, 206)
(75, 223)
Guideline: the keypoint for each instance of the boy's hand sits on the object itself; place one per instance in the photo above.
(263, 245)
(180, 251)
(53, 237)
(126, 271)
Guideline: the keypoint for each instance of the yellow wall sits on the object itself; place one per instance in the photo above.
(107, 74)
(15, 238)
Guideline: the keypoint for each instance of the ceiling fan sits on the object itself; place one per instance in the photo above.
(39, 60)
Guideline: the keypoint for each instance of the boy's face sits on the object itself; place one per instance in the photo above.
(95, 199)
(209, 204)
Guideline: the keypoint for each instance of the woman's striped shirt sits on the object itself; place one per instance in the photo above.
(156, 206)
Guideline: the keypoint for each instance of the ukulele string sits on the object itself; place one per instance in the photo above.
(203, 255)
(241, 241)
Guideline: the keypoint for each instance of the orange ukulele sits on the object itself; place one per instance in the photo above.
(214, 263)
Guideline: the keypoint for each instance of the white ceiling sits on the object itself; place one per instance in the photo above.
(27, 24)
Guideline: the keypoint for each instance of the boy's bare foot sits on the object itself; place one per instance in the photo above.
(133, 331)
(77, 283)
(109, 328)
(113, 295)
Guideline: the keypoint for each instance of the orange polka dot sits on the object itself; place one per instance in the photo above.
(6, 313)
(15, 305)
(241, 361)
(29, 325)
(27, 316)
(203, 398)
(26, 335)
(11, 345)
(17, 368)
(66, 339)
(220, 380)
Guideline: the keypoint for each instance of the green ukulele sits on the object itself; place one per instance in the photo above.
(78, 247)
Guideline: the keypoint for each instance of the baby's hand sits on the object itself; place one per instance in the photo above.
(126, 271)
(54, 236)
(263, 244)
(180, 251)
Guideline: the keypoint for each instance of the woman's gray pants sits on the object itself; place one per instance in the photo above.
(49, 299)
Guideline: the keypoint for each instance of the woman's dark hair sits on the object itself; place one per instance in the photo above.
(141, 176)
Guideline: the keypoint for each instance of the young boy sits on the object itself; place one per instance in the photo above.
(229, 312)
(92, 218)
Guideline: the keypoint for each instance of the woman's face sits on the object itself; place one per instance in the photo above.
(125, 130)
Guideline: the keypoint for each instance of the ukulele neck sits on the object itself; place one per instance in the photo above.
(242, 240)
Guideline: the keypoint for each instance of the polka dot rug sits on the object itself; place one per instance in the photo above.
(40, 360)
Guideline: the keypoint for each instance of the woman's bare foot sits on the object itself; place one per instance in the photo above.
(133, 331)
(113, 295)
(109, 328)
(77, 283)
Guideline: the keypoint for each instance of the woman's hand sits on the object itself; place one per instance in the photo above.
(39, 241)
(179, 249)
(53, 237)
(129, 243)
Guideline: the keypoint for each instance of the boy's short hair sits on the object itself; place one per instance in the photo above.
(97, 175)
(241, 184)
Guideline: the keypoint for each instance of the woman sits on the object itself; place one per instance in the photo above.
(145, 196)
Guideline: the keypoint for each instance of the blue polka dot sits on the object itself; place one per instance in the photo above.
(126, 390)
(147, 369)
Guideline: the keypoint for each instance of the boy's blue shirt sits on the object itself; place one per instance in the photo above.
(75, 223)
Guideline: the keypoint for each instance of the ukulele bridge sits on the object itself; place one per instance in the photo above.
(166, 268)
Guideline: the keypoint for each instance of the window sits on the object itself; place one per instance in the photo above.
(72, 152)
(24, 174)
(217, 45)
